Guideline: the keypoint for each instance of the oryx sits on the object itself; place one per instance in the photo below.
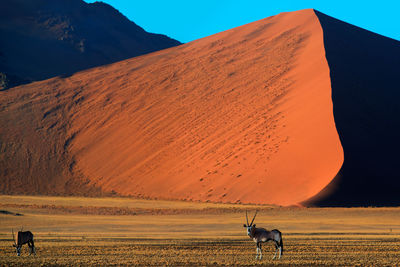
(261, 235)
(23, 238)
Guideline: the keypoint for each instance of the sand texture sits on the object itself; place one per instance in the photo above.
(242, 116)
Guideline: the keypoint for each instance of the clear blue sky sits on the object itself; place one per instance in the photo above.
(187, 20)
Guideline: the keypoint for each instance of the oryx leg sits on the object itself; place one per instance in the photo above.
(260, 251)
(276, 250)
(257, 251)
(279, 249)
(32, 247)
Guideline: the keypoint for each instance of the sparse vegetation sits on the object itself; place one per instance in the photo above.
(307, 250)
(195, 234)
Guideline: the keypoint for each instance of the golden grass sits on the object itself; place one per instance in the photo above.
(113, 202)
(116, 251)
(312, 236)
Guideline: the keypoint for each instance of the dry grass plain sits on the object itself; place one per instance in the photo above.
(123, 231)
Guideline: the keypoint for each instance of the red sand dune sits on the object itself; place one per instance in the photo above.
(244, 115)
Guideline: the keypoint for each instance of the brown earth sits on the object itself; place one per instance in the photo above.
(101, 231)
(244, 116)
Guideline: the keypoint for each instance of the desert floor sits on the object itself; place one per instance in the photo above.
(124, 231)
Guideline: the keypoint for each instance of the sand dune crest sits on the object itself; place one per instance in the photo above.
(244, 116)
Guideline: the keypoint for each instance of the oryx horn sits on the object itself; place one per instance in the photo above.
(253, 218)
(12, 231)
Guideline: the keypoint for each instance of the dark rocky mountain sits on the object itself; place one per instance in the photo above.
(46, 38)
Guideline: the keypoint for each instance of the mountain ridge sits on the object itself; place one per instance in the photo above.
(50, 38)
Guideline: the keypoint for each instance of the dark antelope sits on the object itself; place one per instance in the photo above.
(23, 238)
(261, 235)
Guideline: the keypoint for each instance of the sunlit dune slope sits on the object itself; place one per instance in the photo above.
(245, 116)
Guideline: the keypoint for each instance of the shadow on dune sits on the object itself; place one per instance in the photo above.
(365, 76)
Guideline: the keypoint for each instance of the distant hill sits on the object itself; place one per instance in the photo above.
(40, 39)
